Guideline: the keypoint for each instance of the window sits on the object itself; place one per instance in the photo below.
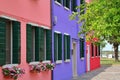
(66, 47)
(59, 1)
(66, 3)
(96, 50)
(9, 42)
(74, 5)
(38, 44)
(57, 46)
(82, 4)
(92, 49)
(81, 48)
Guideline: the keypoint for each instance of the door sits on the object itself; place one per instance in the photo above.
(88, 57)
(74, 59)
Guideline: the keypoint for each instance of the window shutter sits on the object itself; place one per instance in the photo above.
(68, 47)
(55, 46)
(81, 48)
(74, 5)
(37, 44)
(29, 43)
(92, 48)
(42, 47)
(98, 50)
(59, 46)
(65, 47)
(48, 44)
(2, 43)
(16, 41)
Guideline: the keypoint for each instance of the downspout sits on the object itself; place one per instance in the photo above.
(51, 21)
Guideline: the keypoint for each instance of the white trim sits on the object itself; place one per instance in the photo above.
(67, 60)
(66, 8)
(82, 58)
(7, 17)
(58, 61)
(34, 63)
(45, 27)
(58, 3)
(9, 65)
(33, 24)
(57, 32)
(66, 34)
(47, 61)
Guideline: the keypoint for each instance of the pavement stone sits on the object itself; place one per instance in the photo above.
(105, 72)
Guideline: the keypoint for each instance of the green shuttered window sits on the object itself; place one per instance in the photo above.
(92, 49)
(66, 3)
(74, 5)
(82, 4)
(59, 1)
(9, 42)
(57, 46)
(38, 44)
(66, 47)
(81, 48)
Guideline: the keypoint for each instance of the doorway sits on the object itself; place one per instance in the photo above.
(74, 59)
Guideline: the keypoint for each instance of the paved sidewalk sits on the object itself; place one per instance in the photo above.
(106, 72)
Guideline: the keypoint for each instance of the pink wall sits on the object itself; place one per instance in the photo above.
(37, 11)
(46, 75)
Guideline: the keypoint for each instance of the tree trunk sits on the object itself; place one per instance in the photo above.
(115, 45)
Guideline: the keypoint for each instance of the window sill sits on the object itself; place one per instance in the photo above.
(9, 65)
(67, 60)
(58, 3)
(66, 8)
(34, 63)
(82, 58)
(46, 61)
(58, 61)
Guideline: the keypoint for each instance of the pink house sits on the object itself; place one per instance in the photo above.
(21, 22)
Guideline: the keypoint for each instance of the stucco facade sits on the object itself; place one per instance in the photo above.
(34, 12)
(63, 25)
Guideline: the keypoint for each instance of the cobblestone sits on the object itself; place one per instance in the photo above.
(105, 72)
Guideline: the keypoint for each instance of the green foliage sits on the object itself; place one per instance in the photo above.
(101, 20)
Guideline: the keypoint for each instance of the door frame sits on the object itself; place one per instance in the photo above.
(74, 58)
(88, 58)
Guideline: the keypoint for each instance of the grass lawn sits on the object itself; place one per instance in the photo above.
(106, 61)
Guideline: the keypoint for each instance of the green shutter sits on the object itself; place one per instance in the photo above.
(65, 47)
(48, 44)
(92, 48)
(2, 43)
(42, 47)
(29, 43)
(74, 5)
(59, 46)
(55, 46)
(98, 50)
(68, 47)
(81, 48)
(37, 44)
(16, 41)
(82, 4)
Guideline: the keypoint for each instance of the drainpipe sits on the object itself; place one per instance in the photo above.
(51, 21)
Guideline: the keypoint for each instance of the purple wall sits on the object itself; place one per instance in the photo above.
(63, 71)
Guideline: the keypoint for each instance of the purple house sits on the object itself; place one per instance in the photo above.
(68, 49)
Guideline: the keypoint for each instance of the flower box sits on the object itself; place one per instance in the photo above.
(11, 71)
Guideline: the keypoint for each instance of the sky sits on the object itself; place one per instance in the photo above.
(108, 47)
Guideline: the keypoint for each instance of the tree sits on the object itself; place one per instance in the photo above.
(102, 20)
